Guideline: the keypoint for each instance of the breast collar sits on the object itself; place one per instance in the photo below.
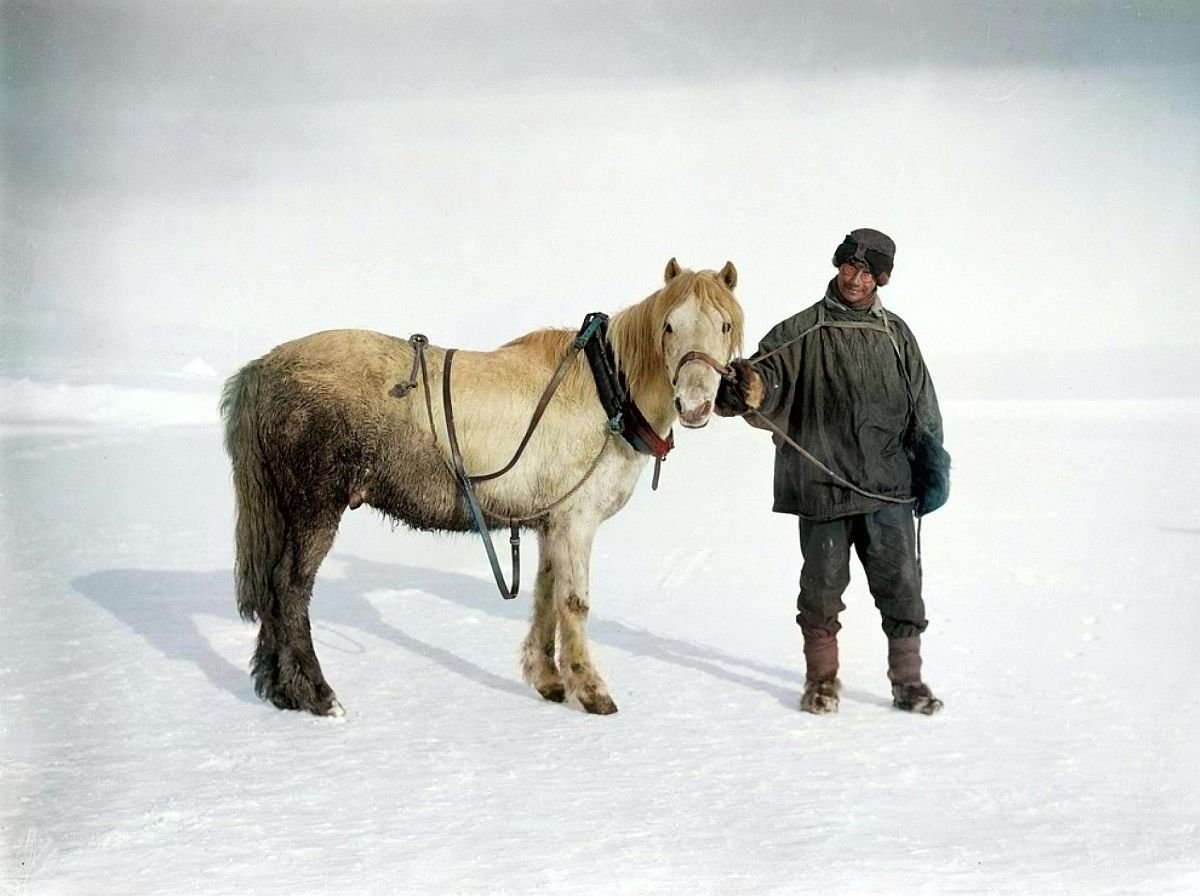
(624, 416)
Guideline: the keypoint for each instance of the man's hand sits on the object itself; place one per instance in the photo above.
(930, 464)
(742, 390)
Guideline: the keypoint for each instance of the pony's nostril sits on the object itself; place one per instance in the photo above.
(678, 405)
(706, 409)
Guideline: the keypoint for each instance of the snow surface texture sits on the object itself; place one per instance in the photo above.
(184, 185)
(1061, 581)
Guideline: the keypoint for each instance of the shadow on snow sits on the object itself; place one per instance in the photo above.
(162, 607)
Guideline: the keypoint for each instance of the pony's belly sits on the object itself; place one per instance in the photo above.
(417, 488)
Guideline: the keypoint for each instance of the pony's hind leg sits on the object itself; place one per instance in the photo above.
(537, 653)
(570, 550)
(285, 666)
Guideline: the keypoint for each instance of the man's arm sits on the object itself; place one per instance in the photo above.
(765, 381)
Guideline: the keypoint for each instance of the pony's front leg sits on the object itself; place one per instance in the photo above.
(537, 653)
(570, 551)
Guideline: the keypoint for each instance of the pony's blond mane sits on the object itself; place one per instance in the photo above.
(636, 332)
(636, 335)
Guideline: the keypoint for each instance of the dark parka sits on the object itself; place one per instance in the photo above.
(841, 392)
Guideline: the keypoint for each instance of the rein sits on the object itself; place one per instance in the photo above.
(623, 414)
(846, 483)
(467, 482)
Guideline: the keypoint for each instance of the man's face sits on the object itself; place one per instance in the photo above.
(854, 283)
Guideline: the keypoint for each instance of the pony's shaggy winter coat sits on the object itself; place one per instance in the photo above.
(313, 427)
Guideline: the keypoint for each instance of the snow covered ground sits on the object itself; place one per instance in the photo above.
(1062, 584)
(184, 185)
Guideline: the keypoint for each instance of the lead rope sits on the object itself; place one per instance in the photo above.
(840, 480)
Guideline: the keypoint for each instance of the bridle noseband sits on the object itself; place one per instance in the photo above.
(721, 369)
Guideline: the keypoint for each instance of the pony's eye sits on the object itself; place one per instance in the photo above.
(668, 329)
(726, 327)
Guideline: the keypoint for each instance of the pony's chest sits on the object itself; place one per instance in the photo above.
(616, 488)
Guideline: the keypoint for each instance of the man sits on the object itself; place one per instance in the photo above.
(858, 452)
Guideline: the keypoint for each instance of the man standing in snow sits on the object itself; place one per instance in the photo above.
(846, 383)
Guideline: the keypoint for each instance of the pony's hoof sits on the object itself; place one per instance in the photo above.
(599, 705)
(320, 700)
(555, 693)
(335, 710)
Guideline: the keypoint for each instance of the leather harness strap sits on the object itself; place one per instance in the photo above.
(506, 591)
(624, 417)
(467, 481)
(563, 366)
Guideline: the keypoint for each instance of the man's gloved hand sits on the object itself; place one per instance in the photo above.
(742, 390)
(930, 464)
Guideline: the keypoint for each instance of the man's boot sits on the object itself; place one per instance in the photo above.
(904, 672)
(821, 684)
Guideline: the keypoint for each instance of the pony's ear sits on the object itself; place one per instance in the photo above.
(673, 270)
(728, 275)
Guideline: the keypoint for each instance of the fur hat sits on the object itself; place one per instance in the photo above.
(870, 248)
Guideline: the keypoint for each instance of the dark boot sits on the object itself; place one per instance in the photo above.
(820, 697)
(821, 684)
(909, 693)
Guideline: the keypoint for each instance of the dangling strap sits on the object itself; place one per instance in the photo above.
(587, 335)
(464, 481)
(419, 342)
(918, 543)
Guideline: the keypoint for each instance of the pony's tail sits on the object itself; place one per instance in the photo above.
(261, 528)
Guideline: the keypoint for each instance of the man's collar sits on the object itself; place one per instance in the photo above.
(834, 300)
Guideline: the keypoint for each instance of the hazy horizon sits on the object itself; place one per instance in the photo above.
(195, 181)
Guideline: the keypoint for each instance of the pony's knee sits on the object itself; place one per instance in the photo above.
(575, 606)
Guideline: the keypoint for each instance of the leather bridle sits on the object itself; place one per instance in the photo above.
(721, 369)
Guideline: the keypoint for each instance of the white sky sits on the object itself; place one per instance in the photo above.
(195, 180)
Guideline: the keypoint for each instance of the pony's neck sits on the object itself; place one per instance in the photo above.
(639, 357)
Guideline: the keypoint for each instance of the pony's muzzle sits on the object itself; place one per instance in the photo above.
(694, 394)
(695, 417)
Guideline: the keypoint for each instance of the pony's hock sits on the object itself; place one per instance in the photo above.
(315, 427)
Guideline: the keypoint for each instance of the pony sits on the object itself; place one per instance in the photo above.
(322, 424)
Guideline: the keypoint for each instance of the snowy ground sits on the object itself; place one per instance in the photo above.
(1062, 585)
(185, 184)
